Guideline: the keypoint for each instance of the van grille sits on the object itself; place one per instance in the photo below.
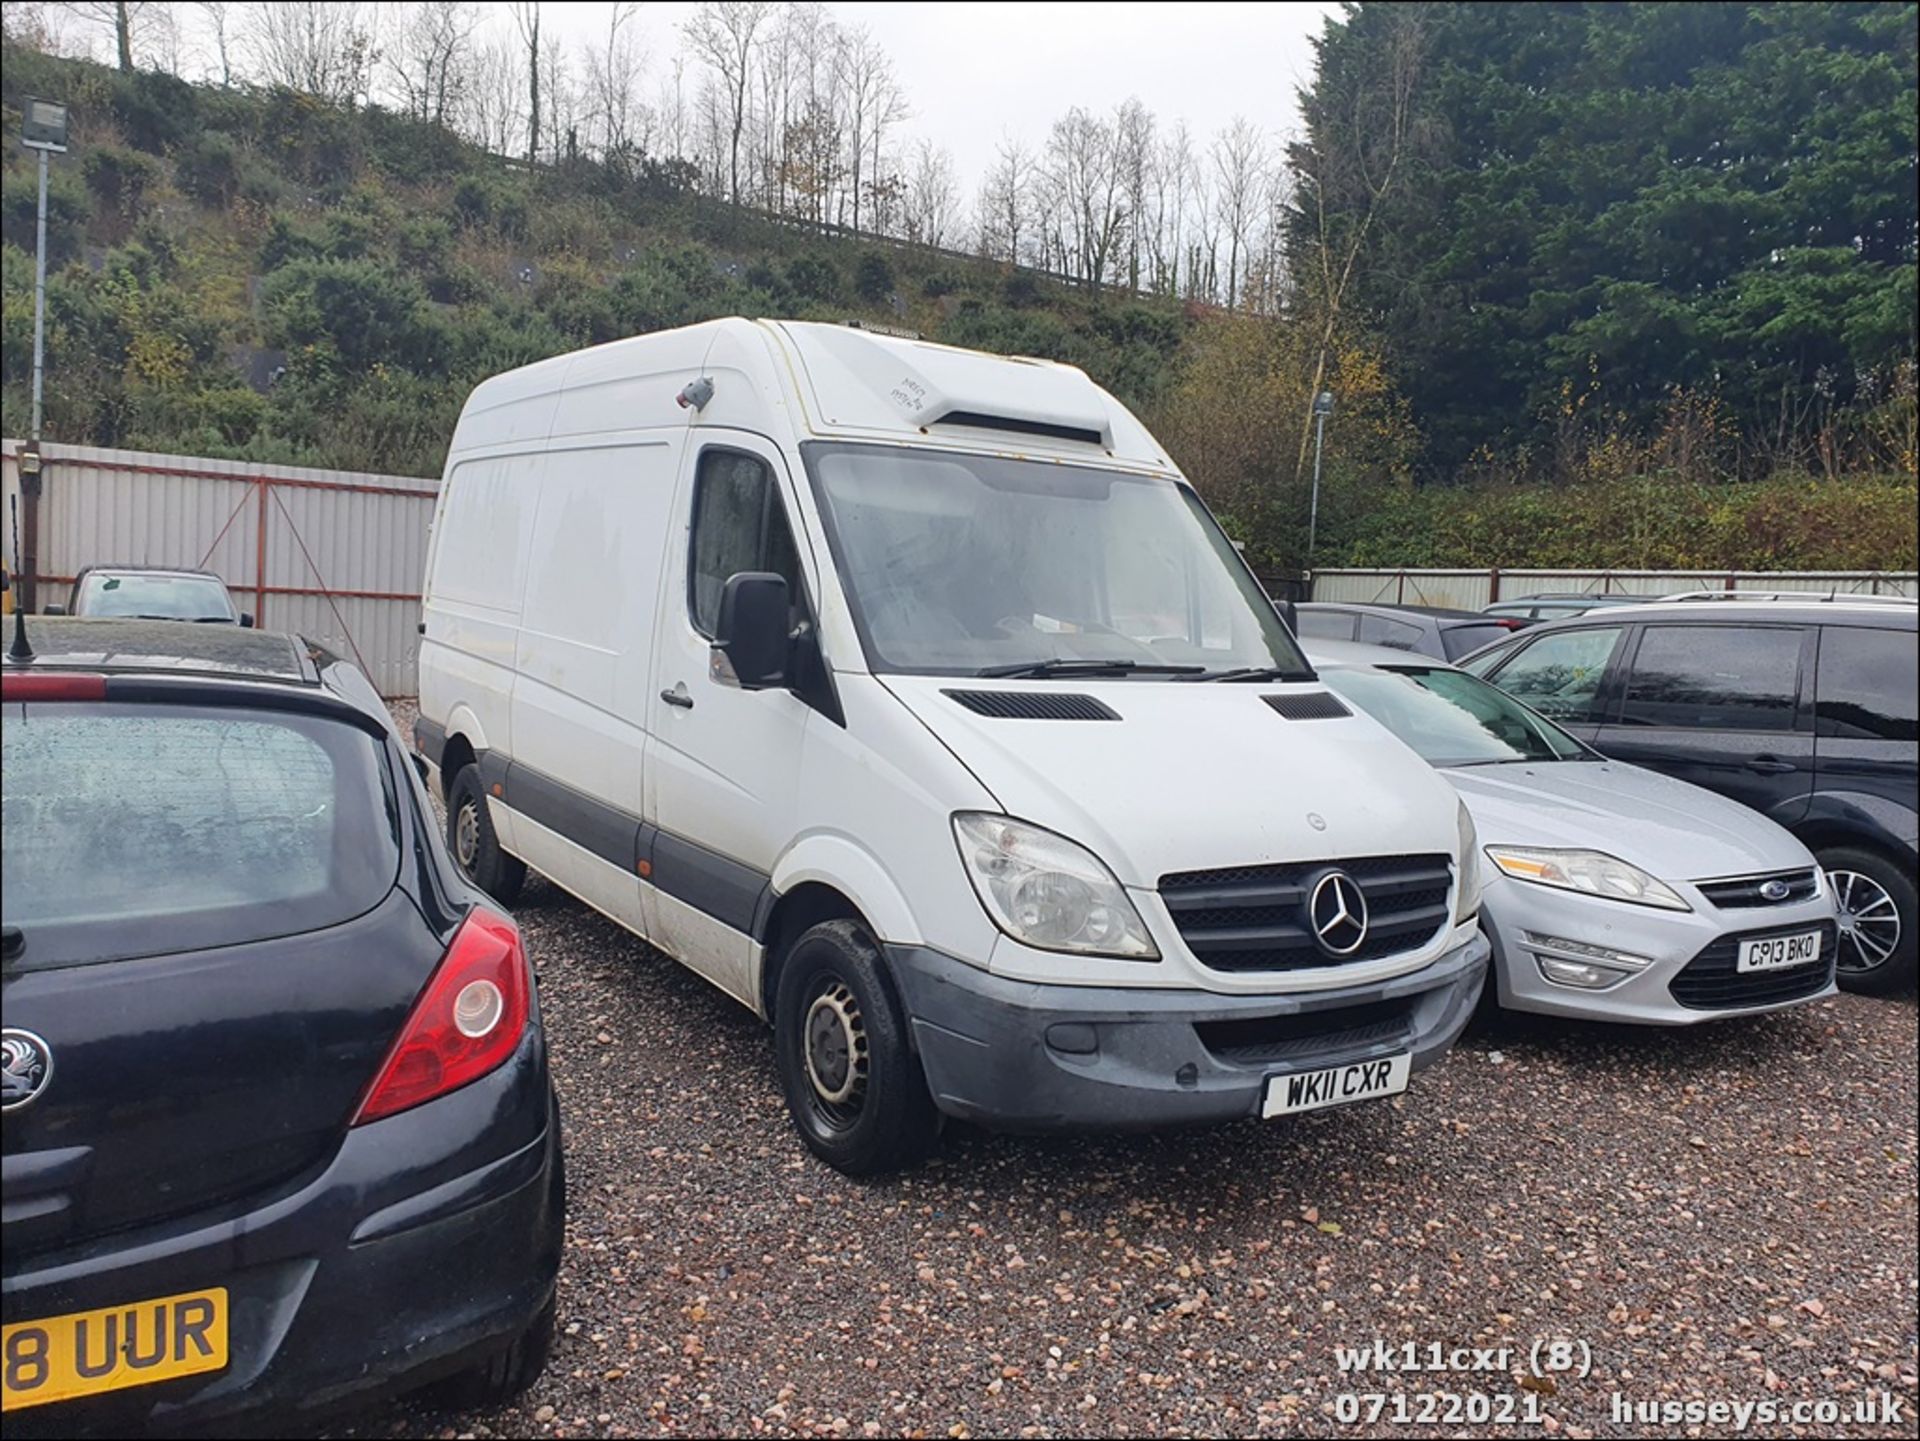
(1269, 1040)
(1254, 918)
(1710, 982)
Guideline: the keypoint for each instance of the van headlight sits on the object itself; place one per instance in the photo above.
(1595, 873)
(1467, 904)
(1047, 892)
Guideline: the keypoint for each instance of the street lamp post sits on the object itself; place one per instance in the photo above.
(1322, 408)
(43, 127)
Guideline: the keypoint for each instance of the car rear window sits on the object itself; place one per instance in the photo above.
(143, 830)
(156, 597)
(1869, 686)
(1326, 624)
(1459, 640)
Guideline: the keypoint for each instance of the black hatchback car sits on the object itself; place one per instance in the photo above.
(278, 1129)
(1802, 707)
(1429, 630)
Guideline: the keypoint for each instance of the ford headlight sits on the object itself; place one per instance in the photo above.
(1047, 892)
(1466, 904)
(1593, 872)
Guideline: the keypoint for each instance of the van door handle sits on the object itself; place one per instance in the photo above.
(1771, 766)
(678, 696)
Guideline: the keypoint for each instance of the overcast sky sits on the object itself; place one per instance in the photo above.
(976, 71)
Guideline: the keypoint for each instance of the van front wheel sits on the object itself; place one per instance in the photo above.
(853, 1084)
(476, 849)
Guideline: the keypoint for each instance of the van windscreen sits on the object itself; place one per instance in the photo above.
(959, 564)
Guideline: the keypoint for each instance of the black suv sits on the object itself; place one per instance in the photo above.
(1802, 707)
(279, 1129)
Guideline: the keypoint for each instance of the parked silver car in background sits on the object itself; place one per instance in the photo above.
(1613, 893)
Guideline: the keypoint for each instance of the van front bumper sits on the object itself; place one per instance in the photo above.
(1018, 1056)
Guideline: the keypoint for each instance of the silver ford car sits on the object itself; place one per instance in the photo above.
(1612, 893)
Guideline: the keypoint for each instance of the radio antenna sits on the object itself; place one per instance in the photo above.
(22, 648)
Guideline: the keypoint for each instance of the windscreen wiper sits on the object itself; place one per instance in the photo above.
(1259, 672)
(1043, 669)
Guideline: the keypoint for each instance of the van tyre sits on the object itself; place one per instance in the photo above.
(474, 846)
(1879, 930)
(854, 1087)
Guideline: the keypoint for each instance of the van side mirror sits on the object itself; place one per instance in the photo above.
(53, 610)
(753, 636)
(1291, 617)
(246, 620)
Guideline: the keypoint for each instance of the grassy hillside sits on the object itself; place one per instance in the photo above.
(259, 274)
(205, 239)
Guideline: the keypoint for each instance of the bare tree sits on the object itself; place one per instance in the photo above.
(873, 102)
(427, 57)
(490, 110)
(612, 85)
(321, 48)
(220, 18)
(1005, 198)
(1086, 184)
(1133, 159)
(1239, 172)
(1172, 196)
(130, 20)
(673, 110)
(526, 20)
(724, 34)
(930, 195)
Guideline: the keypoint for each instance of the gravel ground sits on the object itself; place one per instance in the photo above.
(1727, 1214)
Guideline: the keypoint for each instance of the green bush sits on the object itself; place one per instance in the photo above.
(873, 277)
(811, 278)
(357, 312)
(118, 179)
(207, 168)
(156, 110)
(67, 211)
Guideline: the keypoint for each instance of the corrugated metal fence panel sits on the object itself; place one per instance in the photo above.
(1473, 589)
(95, 511)
(345, 551)
(382, 637)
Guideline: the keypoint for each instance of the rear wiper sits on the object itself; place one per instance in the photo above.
(213, 620)
(1041, 669)
(1259, 672)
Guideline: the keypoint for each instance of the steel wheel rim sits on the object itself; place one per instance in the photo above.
(833, 1040)
(1869, 921)
(466, 835)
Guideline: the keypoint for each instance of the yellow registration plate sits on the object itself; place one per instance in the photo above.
(87, 1352)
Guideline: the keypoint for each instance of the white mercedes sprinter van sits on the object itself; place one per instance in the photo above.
(912, 697)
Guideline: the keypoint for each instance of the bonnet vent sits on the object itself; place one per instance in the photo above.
(1032, 705)
(1315, 705)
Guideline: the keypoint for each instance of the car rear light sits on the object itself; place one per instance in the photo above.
(466, 1022)
(15, 687)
